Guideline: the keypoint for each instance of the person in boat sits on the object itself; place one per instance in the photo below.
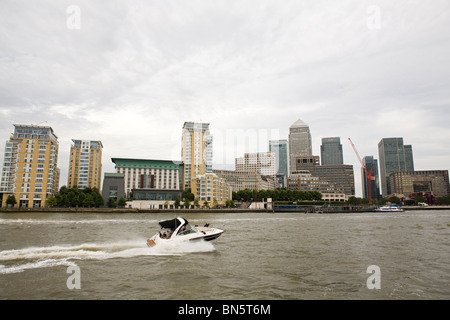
(182, 230)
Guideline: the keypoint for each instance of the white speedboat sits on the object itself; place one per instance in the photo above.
(390, 208)
(179, 229)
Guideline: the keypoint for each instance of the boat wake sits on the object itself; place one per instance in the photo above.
(19, 260)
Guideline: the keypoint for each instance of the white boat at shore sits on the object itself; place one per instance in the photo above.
(389, 208)
(179, 229)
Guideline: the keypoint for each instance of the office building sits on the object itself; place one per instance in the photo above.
(303, 180)
(371, 164)
(263, 163)
(280, 148)
(85, 166)
(299, 142)
(393, 156)
(425, 181)
(149, 174)
(113, 187)
(247, 180)
(340, 175)
(30, 171)
(331, 151)
(196, 151)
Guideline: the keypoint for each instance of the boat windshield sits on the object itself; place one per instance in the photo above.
(186, 229)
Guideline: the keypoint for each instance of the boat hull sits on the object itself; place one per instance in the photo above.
(208, 237)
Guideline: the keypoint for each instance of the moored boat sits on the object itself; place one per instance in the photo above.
(389, 208)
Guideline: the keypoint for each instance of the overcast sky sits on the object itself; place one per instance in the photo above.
(130, 73)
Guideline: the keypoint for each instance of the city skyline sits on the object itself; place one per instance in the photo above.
(130, 78)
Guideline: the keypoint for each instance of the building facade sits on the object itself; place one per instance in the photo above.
(247, 180)
(331, 151)
(85, 165)
(371, 164)
(263, 163)
(113, 187)
(299, 142)
(426, 181)
(30, 171)
(211, 188)
(196, 151)
(393, 156)
(149, 174)
(303, 180)
(280, 148)
(339, 175)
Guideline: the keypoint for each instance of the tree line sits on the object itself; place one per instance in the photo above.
(75, 197)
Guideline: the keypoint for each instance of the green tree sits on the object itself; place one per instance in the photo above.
(205, 204)
(188, 195)
(419, 199)
(186, 203)
(98, 200)
(443, 200)
(395, 200)
(353, 200)
(111, 203)
(122, 203)
(229, 203)
(11, 201)
(196, 204)
(176, 202)
(72, 199)
(88, 201)
(51, 201)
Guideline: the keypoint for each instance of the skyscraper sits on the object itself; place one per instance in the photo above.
(85, 166)
(30, 170)
(394, 156)
(331, 151)
(299, 142)
(280, 148)
(196, 151)
(371, 164)
(263, 163)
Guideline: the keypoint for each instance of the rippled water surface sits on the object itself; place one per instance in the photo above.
(260, 256)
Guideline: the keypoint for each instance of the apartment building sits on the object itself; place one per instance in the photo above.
(85, 165)
(30, 171)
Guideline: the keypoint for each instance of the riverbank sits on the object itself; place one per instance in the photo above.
(302, 209)
(130, 210)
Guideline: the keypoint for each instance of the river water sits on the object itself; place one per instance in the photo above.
(277, 256)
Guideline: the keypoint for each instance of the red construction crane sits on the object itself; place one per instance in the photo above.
(368, 173)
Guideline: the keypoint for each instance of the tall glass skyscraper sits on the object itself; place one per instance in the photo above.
(280, 148)
(299, 142)
(371, 164)
(331, 151)
(394, 156)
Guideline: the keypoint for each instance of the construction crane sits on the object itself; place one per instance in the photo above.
(368, 173)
